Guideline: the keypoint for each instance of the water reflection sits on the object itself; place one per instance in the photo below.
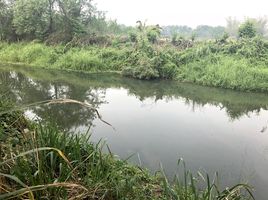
(25, 90)
(28, 85)
(213, 129)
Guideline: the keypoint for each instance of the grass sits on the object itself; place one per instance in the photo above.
(46, 163)
(240, 64)
(226, 72)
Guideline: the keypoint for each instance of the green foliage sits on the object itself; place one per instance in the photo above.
(145, 72)
(38, 55)
(168, 70)
(152, 36)
(79, 60)
(191, 62)
(181, 42)
(54, 21)
(247, 30)
(226, 72)
(133, 37)
(141, 68)
(223, 38)
(30, 18)
(6, 17)
(12, 124)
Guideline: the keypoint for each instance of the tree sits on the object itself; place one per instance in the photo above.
(7, 31)
(261, 25)
(208, 32)
(76, 16)
(247, 29)
(55, 21)
(30, 18)
(232, 27)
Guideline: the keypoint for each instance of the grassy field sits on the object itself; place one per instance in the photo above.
(235, 64)
(40, 162)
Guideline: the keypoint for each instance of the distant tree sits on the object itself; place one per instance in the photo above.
(209, 32)
(247, 29)
(261, 25)
(169, 31)
(193, 36)
(174, 38)
(232, 27)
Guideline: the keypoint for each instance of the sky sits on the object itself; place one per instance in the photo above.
(181, 12)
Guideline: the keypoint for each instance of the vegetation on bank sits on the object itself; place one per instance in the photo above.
(75, 35)
(235, 64)
(40, 162)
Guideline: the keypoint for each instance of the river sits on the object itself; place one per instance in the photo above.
(157, 122)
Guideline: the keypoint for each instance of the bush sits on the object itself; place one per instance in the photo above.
(133, 37)
(168, 71)
(141, 72)
(247, 30)
(152, 36)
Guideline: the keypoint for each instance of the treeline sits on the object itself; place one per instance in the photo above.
(204, 32)
(201, 32)
(260, 25)
(53, 20)
(59, 21)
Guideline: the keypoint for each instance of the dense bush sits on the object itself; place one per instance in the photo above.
(141, 68)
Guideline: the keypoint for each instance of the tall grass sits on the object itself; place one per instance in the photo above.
(58, 165)
(60, 57)
(226, 72)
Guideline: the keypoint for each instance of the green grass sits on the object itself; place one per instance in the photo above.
(46, 163)
(240, 65)
(227, 72)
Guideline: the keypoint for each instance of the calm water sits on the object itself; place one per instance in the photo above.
(159, 121)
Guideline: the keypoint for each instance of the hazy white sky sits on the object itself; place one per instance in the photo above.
(181, 12)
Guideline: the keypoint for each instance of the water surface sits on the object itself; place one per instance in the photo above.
(157, 121)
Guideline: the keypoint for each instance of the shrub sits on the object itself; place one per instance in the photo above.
(247, 30)
(168, 70)
(152, 36)
(141, 72)
(133, 37)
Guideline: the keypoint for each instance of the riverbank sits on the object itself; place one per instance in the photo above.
(240, 65)
(38, 161)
